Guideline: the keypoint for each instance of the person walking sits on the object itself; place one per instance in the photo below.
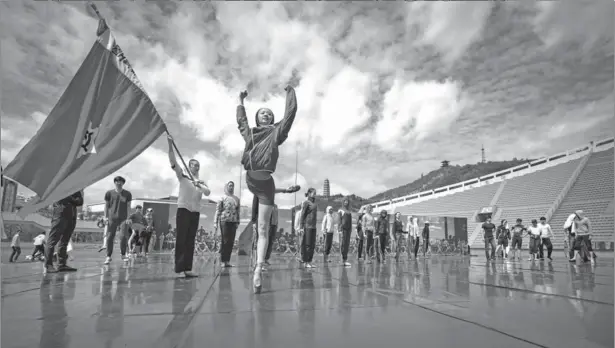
(117, 210)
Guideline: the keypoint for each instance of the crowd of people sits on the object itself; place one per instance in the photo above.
(577, 234)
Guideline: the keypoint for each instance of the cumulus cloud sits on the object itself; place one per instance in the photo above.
(451, 27)
(385, 90)
(417, 110)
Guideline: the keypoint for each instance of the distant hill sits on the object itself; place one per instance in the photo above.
(336, 202)
(445, 176)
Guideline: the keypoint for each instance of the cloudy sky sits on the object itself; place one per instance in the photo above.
(385, 90)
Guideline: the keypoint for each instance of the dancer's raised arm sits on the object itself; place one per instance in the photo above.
(289, 114)
(242, 119)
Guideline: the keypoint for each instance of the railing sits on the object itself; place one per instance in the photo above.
(598, 146)
(564, 192)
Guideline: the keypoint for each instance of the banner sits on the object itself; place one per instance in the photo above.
(103, 120)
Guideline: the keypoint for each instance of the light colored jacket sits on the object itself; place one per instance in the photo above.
(570, 222)
(328, 221)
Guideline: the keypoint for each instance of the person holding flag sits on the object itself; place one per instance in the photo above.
(191, 190)
(63, 222)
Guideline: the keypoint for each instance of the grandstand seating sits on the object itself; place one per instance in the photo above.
(530, 196)
(464, 201)
(538, 188)
(593, 193)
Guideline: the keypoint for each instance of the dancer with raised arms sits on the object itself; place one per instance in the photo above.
(260, 158)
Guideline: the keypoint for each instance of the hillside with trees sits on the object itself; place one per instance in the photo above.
(446, 175)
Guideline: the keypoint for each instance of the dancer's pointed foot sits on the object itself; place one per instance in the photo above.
(257, 286)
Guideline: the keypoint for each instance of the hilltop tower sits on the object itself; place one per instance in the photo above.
(326, 189)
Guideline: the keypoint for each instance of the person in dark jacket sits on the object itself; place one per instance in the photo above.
(260, 158)
(382, 231)
(360, 235)
(345, 229)
(63, 222)
(398, 234)
(425, 236)
(308, 227)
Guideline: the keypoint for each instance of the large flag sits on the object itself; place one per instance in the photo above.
(103, 120)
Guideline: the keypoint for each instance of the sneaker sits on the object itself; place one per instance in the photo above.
(102, 248)
(50, 269)
(66, 268)
(107, 260)
(572, 260)
(346, 264)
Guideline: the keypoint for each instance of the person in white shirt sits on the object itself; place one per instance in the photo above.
(534, 233)
(327, 227)
(39, 246)
(545, 234)
(15, 245)
(191, 190)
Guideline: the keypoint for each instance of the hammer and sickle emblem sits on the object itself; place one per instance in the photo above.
(87, 140)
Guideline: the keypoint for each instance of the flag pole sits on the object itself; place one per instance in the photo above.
(100, 17)
(296, 169)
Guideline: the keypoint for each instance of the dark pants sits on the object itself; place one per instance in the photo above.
(360, 248)
(125, 233)
(417, 244)
(546, 242)
(399, 240)
(328, 243)
(571, 239)
(15, 254)
(146, 238)
(63, 222)
(112, 227)
(228, 230)
(273, 229)
(345, 243)
(490, 241)
(307, 247)
(581, 241)
(38, 249)
(382, 246)
(534, 245)
(187, 223)
(369, 247)
(425, 244)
